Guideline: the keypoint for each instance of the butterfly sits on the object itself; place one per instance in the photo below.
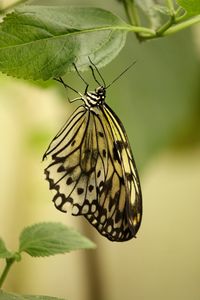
(91, 166)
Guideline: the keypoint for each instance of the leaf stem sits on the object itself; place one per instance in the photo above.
(179, 13)
(141, 30)
(170, 5)
(182, 25)
(167, 25)
(9, 262)
(132, 14)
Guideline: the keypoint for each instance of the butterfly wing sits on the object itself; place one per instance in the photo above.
(92, 171)
(70, 164)
(119, 197)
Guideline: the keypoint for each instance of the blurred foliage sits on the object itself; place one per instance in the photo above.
(45, 239)
(43, 42)
(12, 296)
(192, 7)
(159, 97)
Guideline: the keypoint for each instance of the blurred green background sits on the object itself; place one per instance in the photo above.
(158, 101)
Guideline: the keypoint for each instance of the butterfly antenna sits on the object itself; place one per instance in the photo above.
(93, 74)
(97, 72)
(130, 66)
(77, 71)
(66, 85)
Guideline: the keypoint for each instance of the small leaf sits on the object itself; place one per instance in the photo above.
(42, 42)
(150, 10)
(12, 296)
(192, 7)
(46, 239)
(4, 253)
(162, 9)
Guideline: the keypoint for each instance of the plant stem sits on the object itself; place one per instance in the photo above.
(141, 30)
(9, 262)
(170, 6)
(166, 29)
(132, 14)
(126, 27)
(167, 25)
(179, 12)
(182, 25)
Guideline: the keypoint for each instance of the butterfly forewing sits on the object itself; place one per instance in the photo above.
(92, 171)
(130, 180)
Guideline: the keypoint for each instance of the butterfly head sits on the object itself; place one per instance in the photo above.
(101, 92)
(96, 97)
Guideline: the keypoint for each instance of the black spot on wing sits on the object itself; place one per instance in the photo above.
(116, 154)
(91, 187)
(119, 145)
(80, 191)
(69, 181)
(61, 169)
(104, 153)
(129, 176)
(101, 134)
(73, 142)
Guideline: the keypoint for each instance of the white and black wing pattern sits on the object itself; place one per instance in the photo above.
(121, 196)
(92, 171)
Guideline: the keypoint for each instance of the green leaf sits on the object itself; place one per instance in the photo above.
(192, 7)
(162, 9)
(42, 42)
(46, 239)
(4, 253)
(149, 7)
(12, 296)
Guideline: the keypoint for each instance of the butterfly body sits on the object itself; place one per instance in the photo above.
(92, 169)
